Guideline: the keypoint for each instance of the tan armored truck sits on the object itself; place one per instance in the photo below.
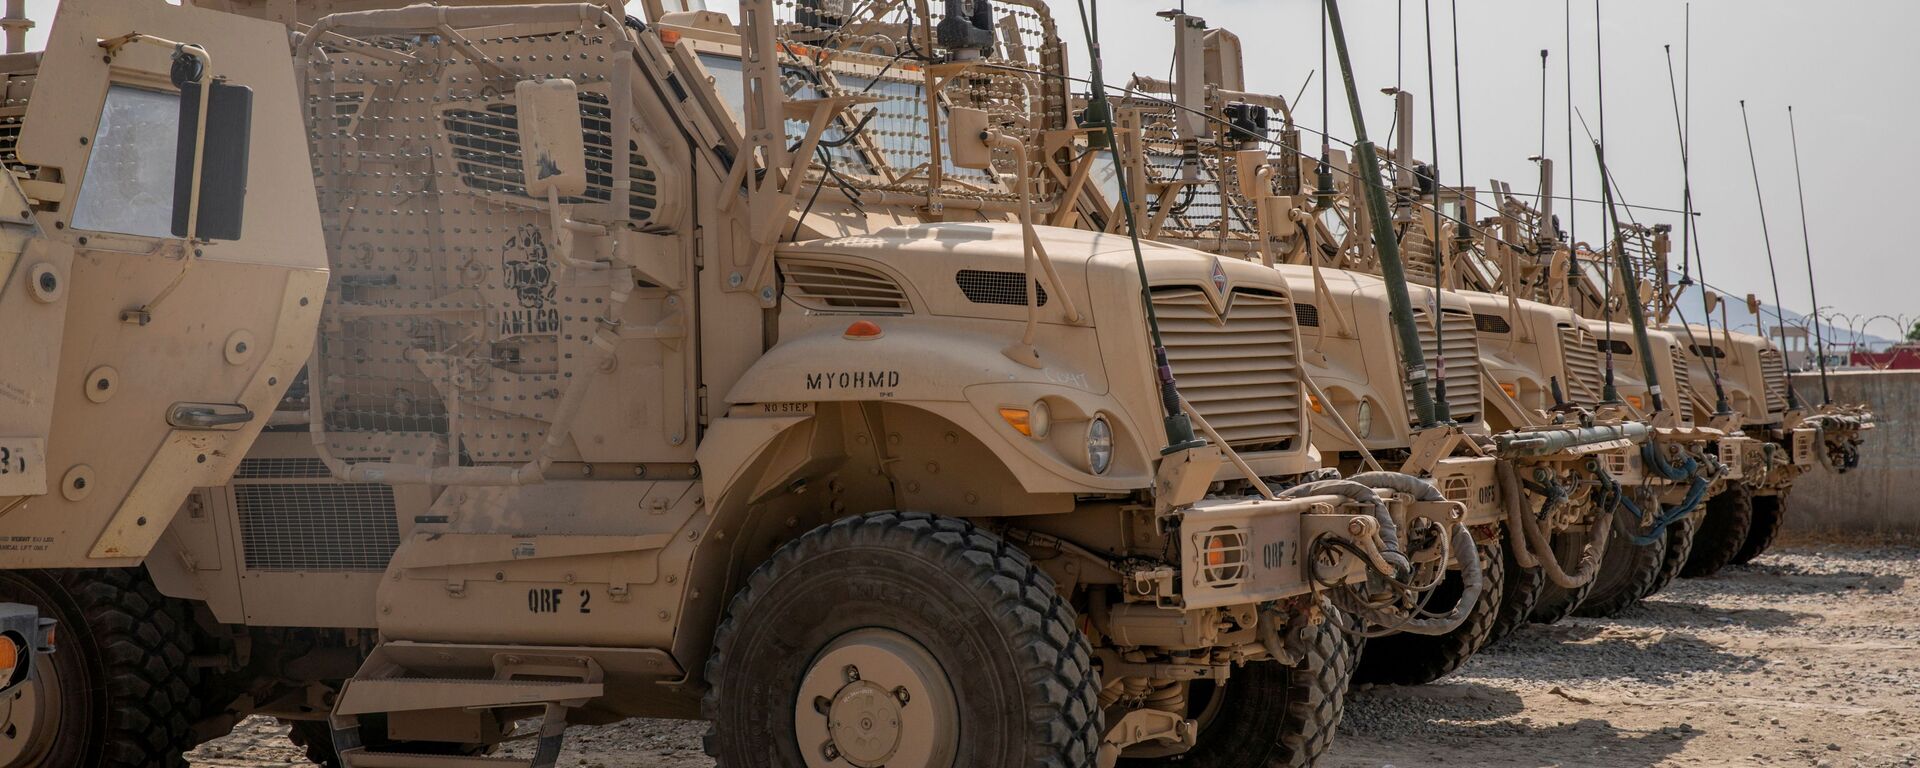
(1763, 453)
(1523, 253)
(1214, 167)
(1787, 437)
(674, 368)
(162, 284)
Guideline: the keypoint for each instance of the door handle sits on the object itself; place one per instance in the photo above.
(208, 415)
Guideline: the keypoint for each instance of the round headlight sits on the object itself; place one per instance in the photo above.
(1099, 445)
(1364, 422)
(1039, 419)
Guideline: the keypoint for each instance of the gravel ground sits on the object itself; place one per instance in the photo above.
(1808, 657)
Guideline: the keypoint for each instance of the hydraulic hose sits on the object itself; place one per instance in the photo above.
(1472, 583)
(1363, 494)
(1696, 492)
(1520, 519)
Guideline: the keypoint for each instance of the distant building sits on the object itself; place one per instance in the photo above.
(1899, 357)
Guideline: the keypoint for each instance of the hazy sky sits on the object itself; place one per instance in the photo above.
(1847, 68)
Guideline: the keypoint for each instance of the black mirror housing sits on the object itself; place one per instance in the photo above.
(223, 172)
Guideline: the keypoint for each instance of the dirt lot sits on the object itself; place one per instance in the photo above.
(1808, 657)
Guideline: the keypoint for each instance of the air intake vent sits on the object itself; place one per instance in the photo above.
(1463, 362)
(1774, 368)
(486, 152)
(1619, 347)
(1491, 324)
(1309, 315)
(1683, 395)
(281, 469)
(1708, 351)
(842, 288)
(1242, 373)
(990, 287)
(1581, 379)
(316, 526)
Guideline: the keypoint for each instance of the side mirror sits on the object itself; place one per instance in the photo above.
(553, 151)
(967, 139)
(223, 170)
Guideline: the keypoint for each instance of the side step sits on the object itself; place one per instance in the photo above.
(364, 759)
(459, 708)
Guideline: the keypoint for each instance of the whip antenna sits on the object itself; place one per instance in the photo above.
(1099, 114)
(1820, 348)
(1440, 405)
(1412, 361)
(1779, 312)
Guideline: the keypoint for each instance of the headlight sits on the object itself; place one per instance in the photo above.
(1033, 422)
(1364, 422)
(1099, 445)
(1040, 419)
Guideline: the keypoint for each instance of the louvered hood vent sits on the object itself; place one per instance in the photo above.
(842, 288)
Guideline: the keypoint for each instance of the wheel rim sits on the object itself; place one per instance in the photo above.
(875, 697)
(30, 717)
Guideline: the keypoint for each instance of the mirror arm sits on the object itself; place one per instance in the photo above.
(144, 314)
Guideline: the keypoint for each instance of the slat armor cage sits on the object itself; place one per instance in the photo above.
(456, 321)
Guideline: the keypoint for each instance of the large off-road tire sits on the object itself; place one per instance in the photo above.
(997, 671)
(1722, 532)
(1410, 659)
(315, 738)
(118, 691)
(1268, 715)
(1679, 546)
(1627, 568)
(1517, 595)
(1769, 513)
(1557, 602)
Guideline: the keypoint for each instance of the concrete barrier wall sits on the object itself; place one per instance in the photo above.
(1883, 495)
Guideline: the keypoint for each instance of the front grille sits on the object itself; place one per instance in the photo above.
(316, 526)
(842, 288)
(1462, 355)
(1682, 384)
(1242, 373)
(1582, 380)
(1774, 368)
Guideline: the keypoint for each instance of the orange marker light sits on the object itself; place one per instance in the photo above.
(9, 659)
(863, 329)
(1635, 399)
(1020, 419)
(669, 36)
(1511, 390)
(1314, 403)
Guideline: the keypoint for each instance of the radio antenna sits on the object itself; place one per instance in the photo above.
(1820, 348)
(1779, 312)
(1099, 114)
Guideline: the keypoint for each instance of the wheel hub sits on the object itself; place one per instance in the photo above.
(864, 721)
(872, 698)
(29, 717)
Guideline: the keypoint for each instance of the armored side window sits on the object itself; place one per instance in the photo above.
(128, 187)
